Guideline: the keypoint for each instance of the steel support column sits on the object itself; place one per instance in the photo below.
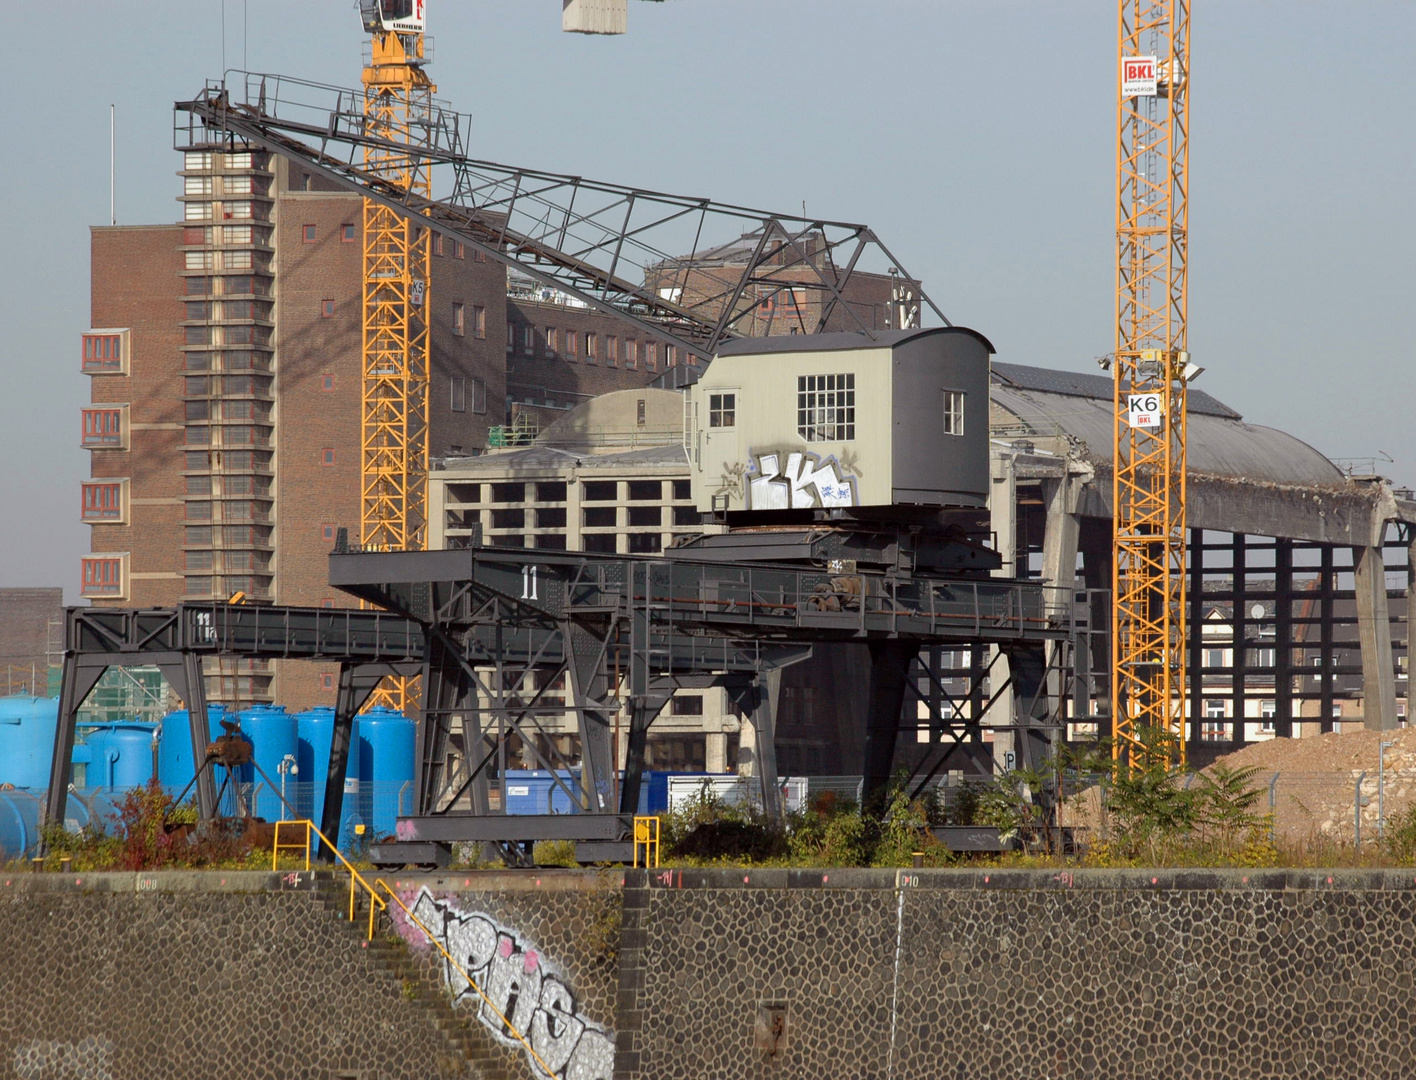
(1374, 631)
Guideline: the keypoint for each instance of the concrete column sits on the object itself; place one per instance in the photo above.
(1061, 539)
(1003, 520)
(1374, 632)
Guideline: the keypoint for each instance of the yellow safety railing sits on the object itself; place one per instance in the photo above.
(646, 837)
(380, 883)
(356, 879)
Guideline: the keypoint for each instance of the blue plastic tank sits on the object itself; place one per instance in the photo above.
(27, 727)
(386, 745)
(534, 791)
(272, 732)
(120, 755)
(20, 813)
(314, 731)
(174, 748)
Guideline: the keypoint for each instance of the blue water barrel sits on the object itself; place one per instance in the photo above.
(174, 748)
(534, 791)
(386, 745)
(27, 726)
(272, 732)
(120, 755)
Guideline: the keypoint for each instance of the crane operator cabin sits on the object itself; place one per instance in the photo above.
(891, 427)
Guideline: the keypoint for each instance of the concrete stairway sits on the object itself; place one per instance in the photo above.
(389, 957)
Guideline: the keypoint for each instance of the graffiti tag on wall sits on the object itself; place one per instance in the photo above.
(518, 984)
(804, 482)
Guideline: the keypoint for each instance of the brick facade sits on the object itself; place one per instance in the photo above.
(31, 637)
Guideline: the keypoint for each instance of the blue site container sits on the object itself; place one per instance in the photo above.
(272, 732)
(174, 748)
(120, 755)
(386, 746)
(27, 726)
(534, 791)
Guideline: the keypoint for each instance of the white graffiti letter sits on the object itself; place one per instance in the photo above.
(555, 1029)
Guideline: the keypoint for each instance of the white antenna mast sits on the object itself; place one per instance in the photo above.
(112, 160)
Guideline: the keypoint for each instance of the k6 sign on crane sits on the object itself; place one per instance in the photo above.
(1144, 410)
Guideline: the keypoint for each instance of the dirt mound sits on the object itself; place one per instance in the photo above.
(1317, 784)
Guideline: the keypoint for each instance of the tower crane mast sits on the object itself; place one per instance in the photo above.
(1151, 368)
(396, 283)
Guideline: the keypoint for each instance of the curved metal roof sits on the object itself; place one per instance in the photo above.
(1220, 443)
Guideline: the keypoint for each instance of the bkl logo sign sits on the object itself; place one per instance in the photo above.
(1144, 410)
(1138, 76)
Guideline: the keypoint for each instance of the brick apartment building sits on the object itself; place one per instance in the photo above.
(224, 413)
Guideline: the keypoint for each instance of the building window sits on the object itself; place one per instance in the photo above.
(237, 260)
(651, 356)
(437, 244)
(953, 412)
(327, 456)
(103, 429)
(826, 407)
(307, 233)
(591, 346)
(1216, 658)
(670, 356)
(722, 410)
(687, 705)
(611, 350)
(1268, 710)
(479, 321)
(631, 353)
(103, 353)
(528, 340)
(103, 576)
(239, 160)
(480, 256)
(550, 341)
(199, 560)
(241, 234)
(239, 211)
(196, 159)
(458, 250)
(326, 309)
(102, 502)
(346, 233)
(327, 678)
(459, 319)
(571, 343)
(1214, 709)
(640, 413)
(197, 211)
(327, 532)
(510, 335)
(326, 382)
(459, 393)
(479, 396)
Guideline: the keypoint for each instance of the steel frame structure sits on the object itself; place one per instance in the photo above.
(479, 625)
(616, 248)
(1152, 210)
(627, 631)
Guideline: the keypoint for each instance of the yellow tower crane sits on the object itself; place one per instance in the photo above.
(397, 265)
(1152, 369)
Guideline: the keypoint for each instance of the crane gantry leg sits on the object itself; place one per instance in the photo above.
(1151, 368)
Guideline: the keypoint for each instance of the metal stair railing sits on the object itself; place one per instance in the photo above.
(356, 879)
(506, 1023)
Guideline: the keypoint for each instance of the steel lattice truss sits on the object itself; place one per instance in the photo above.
(1152, 212)
(682, 268)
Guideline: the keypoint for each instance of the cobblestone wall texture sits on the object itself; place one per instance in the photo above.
(740, 975)
(99, 985)
(961, 975)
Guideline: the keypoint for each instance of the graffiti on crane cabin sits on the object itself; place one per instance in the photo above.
(795, 480)
(529, 994)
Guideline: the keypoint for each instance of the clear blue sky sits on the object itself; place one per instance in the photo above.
(975, 137)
